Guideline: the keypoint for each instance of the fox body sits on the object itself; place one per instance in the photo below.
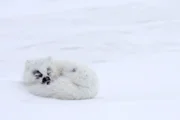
(61, 79)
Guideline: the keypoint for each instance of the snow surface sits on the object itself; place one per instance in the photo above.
(133, 45)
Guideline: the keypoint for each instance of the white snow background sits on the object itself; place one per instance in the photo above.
(133, 45)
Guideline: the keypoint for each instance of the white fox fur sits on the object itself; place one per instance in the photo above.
(69, 80)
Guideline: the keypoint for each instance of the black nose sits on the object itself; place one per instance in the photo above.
(46, 80)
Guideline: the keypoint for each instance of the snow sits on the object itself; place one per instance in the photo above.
(133, 45)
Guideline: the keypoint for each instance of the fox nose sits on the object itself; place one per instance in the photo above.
(46, 80)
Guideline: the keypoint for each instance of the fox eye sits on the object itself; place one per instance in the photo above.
(74, 70)
(49, 71)
(37, 74)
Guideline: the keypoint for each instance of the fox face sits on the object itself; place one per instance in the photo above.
(39, 71)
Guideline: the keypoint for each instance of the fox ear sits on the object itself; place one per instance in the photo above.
(27, 64)
(49, 58)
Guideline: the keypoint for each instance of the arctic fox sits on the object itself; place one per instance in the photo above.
(60, 79)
